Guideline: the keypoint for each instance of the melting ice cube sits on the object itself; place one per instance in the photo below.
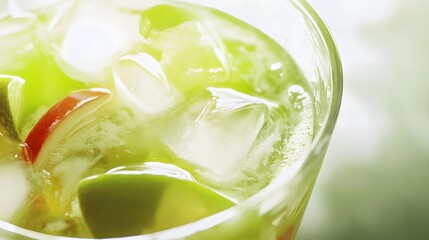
(13, 20)
(13, 189)
(221, 134)
(140, 81)
(15, 24)
(91, 37)
(191, 54)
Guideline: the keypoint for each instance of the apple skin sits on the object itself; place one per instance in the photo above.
(73, 105)
(128, 203)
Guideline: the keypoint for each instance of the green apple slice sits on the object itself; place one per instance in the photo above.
(10, 101)
(147, 199)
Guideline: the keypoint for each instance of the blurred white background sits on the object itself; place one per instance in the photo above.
(374, 183)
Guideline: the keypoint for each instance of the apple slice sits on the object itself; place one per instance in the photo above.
(10, 101)
(149, 198)
(60, 121)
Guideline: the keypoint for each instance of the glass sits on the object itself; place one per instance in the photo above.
(276, 211)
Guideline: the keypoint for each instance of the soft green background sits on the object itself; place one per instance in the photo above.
(374, 183)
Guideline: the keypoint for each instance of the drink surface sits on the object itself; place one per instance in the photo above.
(172, 111)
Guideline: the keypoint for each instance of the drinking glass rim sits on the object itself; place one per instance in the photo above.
(325, 131)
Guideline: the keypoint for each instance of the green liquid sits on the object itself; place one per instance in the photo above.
(222, 101)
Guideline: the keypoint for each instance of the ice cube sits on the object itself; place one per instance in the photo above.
(141, 82)
(13, 20)
(14, 188)
(218, 134)
(91, 37)
(190, 53)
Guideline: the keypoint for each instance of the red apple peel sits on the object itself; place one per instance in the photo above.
(75, 107)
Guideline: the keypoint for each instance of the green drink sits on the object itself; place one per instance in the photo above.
(167, 120)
